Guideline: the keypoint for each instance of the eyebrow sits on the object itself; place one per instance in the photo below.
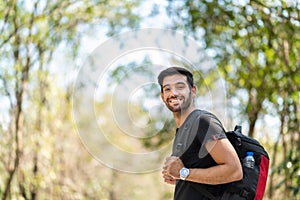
(178, 83)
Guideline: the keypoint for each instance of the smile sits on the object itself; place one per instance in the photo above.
(175, 100)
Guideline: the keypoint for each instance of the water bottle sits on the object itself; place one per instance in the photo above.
(249, 160)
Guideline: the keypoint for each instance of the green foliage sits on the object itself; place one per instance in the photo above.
(289, 169)
(155, 136)
(256, 44)
(162, 138)
(35, 115)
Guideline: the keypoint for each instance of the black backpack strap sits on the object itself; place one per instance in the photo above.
(203, 191)
(243, 193)
(238, 128)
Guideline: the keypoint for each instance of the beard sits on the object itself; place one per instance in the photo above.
(181, 107)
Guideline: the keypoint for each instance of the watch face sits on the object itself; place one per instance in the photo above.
(184, 172)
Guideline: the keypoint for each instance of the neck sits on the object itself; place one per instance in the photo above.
(180, 117)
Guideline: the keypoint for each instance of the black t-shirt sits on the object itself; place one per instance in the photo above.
(189, 144)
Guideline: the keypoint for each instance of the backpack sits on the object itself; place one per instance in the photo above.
(253, 184)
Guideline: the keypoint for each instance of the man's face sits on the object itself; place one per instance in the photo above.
(176, 93)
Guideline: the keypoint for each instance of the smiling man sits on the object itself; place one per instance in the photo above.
(203, 160)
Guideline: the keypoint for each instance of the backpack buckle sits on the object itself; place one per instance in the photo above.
(244, 193)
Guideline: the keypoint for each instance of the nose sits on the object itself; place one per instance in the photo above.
(174, 92)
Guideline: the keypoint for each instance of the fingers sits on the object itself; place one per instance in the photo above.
(166, 174)
(172, 182)
(171, 169)
(169, 179)
(171, 158)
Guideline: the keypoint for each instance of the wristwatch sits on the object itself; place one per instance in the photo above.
(184, 172)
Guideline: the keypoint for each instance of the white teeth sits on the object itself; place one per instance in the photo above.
(174, 100)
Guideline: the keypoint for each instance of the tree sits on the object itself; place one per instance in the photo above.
(30, 32)
(256, 45)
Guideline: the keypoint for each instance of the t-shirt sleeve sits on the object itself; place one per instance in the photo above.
(210, 128)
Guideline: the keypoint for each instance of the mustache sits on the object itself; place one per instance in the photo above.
(175, 97)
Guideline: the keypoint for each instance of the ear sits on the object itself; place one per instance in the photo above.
(194, 90)
(162, 96)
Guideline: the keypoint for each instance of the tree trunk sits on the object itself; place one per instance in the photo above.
(273, 160)
(112, 193)
(19, 92)
(253, 108)
(33, 192)
(18, 142)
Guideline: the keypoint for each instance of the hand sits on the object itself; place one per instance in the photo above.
(172, 167)
(168, 179)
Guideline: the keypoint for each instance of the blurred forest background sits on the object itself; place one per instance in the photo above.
(254, 43)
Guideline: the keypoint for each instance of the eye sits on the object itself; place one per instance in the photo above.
(180, 87)
(166, 89)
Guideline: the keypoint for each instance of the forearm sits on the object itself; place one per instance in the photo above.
(228, 168)
(219, 174)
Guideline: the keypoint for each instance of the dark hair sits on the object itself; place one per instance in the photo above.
(175, 70)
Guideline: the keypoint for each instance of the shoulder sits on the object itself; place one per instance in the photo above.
(208, 118)
(207, 115)
(210, 127)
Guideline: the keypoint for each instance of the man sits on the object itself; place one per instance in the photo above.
(195, 170)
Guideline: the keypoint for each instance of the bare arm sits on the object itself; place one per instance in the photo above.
(228, 169)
